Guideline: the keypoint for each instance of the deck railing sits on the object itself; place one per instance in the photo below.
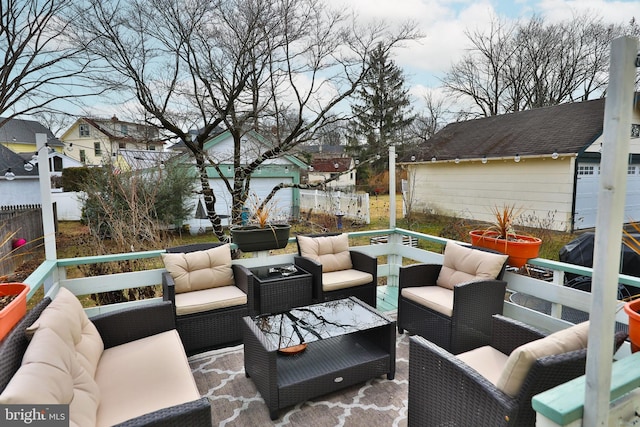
(52, 274)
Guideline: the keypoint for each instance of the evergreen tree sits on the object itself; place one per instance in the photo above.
(382, 113)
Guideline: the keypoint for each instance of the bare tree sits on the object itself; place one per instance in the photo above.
(513, 67)
(281, 65)
(39, 66)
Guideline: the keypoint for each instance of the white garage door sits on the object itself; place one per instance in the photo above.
(587, 195)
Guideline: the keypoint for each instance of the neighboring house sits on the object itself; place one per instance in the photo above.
(20, 136)
(57, 162)
(323, 169)
(546, 161)
(142, 159)
(285, 169)
(92, 140)
(17, 185)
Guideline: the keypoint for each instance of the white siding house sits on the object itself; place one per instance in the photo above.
(284, 169)
(545, 161)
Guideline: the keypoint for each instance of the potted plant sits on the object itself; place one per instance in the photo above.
(501, 237)
(13, 305)
(260, 234)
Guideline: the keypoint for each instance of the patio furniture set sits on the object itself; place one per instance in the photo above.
(312, 328)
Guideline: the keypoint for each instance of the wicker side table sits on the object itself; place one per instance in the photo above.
(279, 288)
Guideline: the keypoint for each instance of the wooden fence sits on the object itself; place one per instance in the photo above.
(19, 222)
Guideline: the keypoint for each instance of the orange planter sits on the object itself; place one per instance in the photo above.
(519, 251)
(11, 314)
(632, 308)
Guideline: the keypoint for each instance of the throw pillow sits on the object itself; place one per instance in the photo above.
(330, 251)
(462, 264)
(522, 358)
(199, 270)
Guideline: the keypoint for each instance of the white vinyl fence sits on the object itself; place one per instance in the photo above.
(354, 206)
(68, 205)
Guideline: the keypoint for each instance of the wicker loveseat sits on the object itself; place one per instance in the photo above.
(124, 368)
(210, 295)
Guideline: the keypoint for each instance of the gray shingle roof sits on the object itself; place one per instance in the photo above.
(24, 131)
(565, 128)
(15, 162)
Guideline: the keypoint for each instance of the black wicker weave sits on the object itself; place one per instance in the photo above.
(278, 293)
(325, 366)
(210, 329)
(444, 391)
(469, 326)
(13, 346)
(360, 261)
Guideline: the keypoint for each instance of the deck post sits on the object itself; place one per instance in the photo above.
(393, 260)
(609, 222)
(45, 194)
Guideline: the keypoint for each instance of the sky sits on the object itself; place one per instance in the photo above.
(444, 22)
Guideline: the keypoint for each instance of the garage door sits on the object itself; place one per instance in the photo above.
(261, 186)
(587, 195)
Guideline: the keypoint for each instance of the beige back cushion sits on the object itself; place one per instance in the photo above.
(51, 374)
(463, 265)
(199, 270)
(66, 317)
(330, 251)
(523, 357)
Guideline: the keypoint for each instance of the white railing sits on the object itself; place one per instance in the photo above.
(354, 206)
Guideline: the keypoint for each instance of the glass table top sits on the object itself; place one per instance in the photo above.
(317, 322)
(275, 272)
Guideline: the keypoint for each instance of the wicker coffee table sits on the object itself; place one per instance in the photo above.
(347, 342)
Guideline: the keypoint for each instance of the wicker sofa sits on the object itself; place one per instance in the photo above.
(125, 368)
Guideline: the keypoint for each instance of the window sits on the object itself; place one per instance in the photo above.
(586, 170)
(151, 147)
(122, 145)
(96, 149)
(124, 129)
(631, 170)
(84, 130)
(83, 156)
(334, 175)
(57, 164)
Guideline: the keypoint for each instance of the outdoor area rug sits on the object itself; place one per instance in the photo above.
(235, 401)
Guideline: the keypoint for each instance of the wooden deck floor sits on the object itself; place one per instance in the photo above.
(387, 298)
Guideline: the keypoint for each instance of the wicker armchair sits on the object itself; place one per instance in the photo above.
(213, 327)
(452, 306)
(446, 390)
(337, 271)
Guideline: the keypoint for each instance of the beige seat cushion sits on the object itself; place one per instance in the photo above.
(461, 265)
(51, 374)
(66, 317)
(341, 279)
(198, 270)
(330, 251)
(143, 376)
(487, 361)
(523, 357)
(209, 299)
(436, 298)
